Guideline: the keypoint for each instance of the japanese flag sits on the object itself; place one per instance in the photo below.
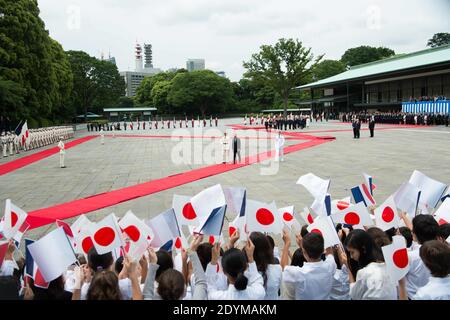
(238, 223)
(68, 230)
(339, 205)
(263, 217)
(318, 187)
(324, 225)
(138, 232)
(81, 230)
(208, 200)
(355, 215)
(186, 215)
(52, 253)
(386, 215)
(442, 214)
(3, 250)
(308, 216)
(106, 235)
(180, 243)
(135, 229)
(396, 258)
(212, 239)
(287, 215)
(236, 200)
(13, 219)
(361, 193)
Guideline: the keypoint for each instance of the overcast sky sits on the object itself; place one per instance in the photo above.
(227, 32)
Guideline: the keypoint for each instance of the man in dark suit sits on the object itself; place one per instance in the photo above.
(354, 128)
(358, 128)
(372, 126)
(236, 148)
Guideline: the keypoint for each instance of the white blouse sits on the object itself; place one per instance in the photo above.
(435, 289)
(373, 283)
(254, 291)
(341, 286)
(273, 282)
(418, 274)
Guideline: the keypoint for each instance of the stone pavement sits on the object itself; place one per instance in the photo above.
(93, 168)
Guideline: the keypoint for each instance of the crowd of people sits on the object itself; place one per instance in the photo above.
(397, 118)
(428, 98)
(279, 122)
(153, 124)
(301, 268)
(37, 138)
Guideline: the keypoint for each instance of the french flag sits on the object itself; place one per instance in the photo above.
(362, 194)
(32, 270)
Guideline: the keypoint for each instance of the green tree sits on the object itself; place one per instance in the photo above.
(96, 83)
(35, 77)
(159, 95)
(327, 68)
(365, 54)
(200, 92)
(283, 67)
(439, 39)
(144, 91)
(125, 102)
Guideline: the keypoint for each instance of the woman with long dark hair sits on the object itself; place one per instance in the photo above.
(265, 263)
(244, 280)
(372, 280)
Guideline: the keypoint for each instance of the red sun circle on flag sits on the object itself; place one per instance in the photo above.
(211, 239)
(104, 236)
(189, 212)
(87, 244)
(310, 218)
(287, 216)
(351, 218)
(400, 258)
(341, 205)
(14, 219)
(264, 216)
(388, 214)
(317, 231)
(178, 243)
(231, 231)
(442, 221)
(133, 233)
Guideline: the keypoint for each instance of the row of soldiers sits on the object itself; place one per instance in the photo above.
(291, 122)
(37, 138)
(143, 125)
(399, 118)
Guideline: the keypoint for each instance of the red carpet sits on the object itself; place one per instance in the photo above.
(32, 158)
(74, 208)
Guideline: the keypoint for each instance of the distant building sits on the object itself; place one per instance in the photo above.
(195, 64)
(148, 54)
(221, 74)
(112, 60)
(133, 79)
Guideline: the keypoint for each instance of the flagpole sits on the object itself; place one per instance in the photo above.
(18, 126)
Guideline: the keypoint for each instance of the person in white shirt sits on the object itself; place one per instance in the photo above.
(424, 228)
(102, 136)
(436, 256)
(279, 147)
(372, 280)
(9, 264)
(242, 285)
(314, 280)
(225, 141)
(171, 282)
(265, 263)
(62, 152)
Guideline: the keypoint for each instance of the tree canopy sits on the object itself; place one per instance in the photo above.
(439, 39)
(327, 68)
(35, 77)
(283, 66)
(365, 54)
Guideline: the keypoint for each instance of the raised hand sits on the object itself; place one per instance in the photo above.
(152, 258)
(249, 250)
(215, 253)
